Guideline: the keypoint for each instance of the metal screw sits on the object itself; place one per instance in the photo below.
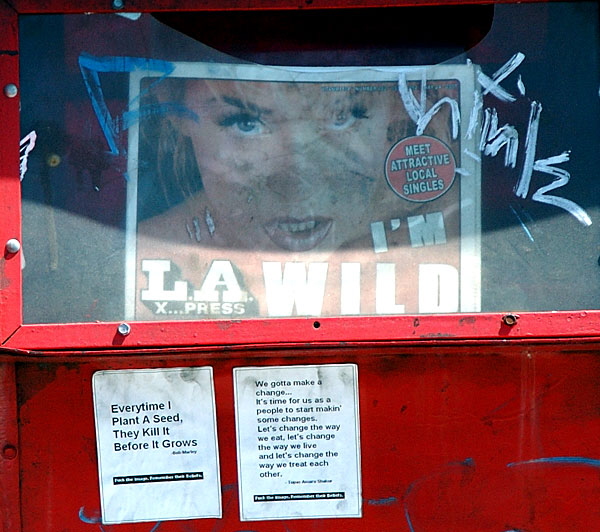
(13, 245)
(510, 319)
(124, 329)
(118, 4)
(9, 452)
(11, 90)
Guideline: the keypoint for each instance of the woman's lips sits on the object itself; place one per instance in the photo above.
(296, 234)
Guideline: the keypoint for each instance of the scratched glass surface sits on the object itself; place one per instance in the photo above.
(222, 165)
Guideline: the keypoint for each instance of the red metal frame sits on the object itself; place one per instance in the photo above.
(101, 6)
(555, 326)
(403, 330)
(10, 517)
(10, 208)
(469, 422)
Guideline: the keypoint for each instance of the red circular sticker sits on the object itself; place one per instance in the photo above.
(420, 168)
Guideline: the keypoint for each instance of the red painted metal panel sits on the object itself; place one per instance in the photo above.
(10, 516)
(101, 6)
(294, 331)
(468, 422)
(470, 439)
(464, 328)
(10, 204)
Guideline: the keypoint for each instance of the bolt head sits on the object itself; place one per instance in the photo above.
(11, 90)
(9, 452)
(510, 319)
(13, 245)
(124, 329)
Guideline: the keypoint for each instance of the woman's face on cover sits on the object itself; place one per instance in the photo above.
(293, 167)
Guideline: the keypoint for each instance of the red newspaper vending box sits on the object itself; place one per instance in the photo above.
(278, 266)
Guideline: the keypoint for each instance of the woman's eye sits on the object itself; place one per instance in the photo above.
(345, 118)
(342, 120)
(243, 123)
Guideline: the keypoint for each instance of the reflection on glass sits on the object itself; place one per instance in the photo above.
(168, 179)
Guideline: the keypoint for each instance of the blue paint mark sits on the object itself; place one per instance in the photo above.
(467, 462)
(91, 66)
(98, 520)
(382, 502)
(86, 519)
(561, 460)
(408, 521)
(522, 223)
(91, 520)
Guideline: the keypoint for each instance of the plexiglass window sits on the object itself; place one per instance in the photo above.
(310, 163)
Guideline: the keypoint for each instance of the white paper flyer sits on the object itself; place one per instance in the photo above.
(157, 444)
(298, 441)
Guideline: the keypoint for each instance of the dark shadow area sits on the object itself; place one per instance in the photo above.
(342, 37)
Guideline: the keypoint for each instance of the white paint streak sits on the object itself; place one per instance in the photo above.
(472, 155)
(492, 85)
(485, 129)
(416, 109)
(562, 177)
(412, 106)
(521, 86)
(474, 116)
(493, 138)
(25, 146)
(455, 116)
(521, 189)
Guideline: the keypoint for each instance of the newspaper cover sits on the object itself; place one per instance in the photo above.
(272, 192)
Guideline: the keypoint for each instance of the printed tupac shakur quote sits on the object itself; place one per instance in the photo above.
(298, 441)
(293, 427)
